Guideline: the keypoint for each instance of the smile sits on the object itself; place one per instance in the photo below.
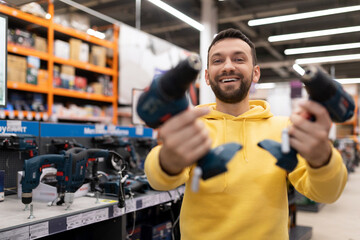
(228, 80)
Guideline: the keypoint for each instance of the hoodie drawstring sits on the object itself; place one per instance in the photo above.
(244, 141)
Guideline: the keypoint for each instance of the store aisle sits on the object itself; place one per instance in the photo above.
(340, 220)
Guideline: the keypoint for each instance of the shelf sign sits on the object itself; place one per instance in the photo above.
(19, 127)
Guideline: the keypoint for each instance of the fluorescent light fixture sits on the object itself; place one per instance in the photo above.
(48, 16)
(178, 14)
(298, 16)
(94, 33)
(265, 85)
(298, 69)
(339, 58)
(294, 51)
(348, 80)
(292, 36)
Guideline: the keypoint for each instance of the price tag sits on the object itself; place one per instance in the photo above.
(102, 214)
(21, 115)
(118, 211)
(39, 230)
(74, 221)
(37, 116)
(2, 114)
(88, 218)
(29, 116)
(18, 234)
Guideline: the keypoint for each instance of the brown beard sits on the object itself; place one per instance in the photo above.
(231, 95)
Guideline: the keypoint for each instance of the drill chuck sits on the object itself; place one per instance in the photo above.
(328, 92)
(174, 83)
(26, 198)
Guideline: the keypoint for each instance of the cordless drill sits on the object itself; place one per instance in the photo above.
(70, 165)
(166, 97)
(324, 90)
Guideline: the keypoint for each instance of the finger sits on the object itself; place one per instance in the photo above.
(184, 118)
(317, 110)
(198, 152)
(194, 141)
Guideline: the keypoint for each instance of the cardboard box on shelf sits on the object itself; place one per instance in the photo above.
(43, 77)
(84, 52)
(40, 44)
(97, 87)
(98, 56)
(67, 76)
(79, 22)
(61, 49)
(16, 68)
(80, 83)
(75, 45)
(33, 66)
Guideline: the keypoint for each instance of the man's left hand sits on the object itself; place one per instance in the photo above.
(310, 138)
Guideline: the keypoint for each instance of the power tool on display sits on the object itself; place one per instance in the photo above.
(324, 90)
(19, 142)
(71, 167)
(166, 97)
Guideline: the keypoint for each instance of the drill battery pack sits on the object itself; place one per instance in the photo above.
(14, 149)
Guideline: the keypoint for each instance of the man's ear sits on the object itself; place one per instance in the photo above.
(207, 77)
(256, 74)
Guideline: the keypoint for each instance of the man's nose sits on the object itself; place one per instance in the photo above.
(228, 65)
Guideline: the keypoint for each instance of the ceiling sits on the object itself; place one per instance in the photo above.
(275, 65)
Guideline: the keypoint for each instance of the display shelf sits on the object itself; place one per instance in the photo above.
(27, 87)
(300, 233)
(82, 95)
(83, 211)
(84, 119)
(17, 114)
(24, 16)
(84, 66)
(27, 52)
(48, 88)
(81, 35)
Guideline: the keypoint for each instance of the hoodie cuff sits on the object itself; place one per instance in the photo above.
(158, 178)
(330, 170)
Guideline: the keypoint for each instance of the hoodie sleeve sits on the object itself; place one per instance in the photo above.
(323, 184)
(158, 179)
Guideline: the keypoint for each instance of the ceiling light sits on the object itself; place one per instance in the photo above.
(292, 36)
(339, 58)
(293, 51)
(298, 69)
(48, 16)
(348, 80)
(298, 16)
(94, 33)
(178, 14)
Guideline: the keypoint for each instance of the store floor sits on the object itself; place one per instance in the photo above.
(340, 220)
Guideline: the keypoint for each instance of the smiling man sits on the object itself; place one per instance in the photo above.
(249, 201)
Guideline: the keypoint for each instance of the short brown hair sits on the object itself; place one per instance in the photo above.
(233, 33)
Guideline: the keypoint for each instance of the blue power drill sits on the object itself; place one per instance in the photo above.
(71, 169)
(166, 97)
(324, 90)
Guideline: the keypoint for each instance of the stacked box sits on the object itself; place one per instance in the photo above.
(16, 68)
(40, 44)
(67, 76)
(75, 45)
(33, 66)
(61, 49)
(98, 56)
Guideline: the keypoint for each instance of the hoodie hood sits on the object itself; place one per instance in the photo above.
(258, 110)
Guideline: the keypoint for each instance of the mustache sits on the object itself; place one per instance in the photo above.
(226, 74)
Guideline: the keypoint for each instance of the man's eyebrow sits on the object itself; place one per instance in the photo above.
(218, 54)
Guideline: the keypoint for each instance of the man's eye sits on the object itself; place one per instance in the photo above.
(216, 61)
(239, 59)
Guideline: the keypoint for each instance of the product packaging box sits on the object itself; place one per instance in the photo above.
(75, 45)
(67, 76)
(84, 52)
(47, 193)
(16, 68)
(33, 66)
(40, 44)
(2, 183)
(158, 232)
(61, 49)
(98, 56)
(43, 77)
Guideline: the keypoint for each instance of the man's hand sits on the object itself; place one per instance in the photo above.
(310, 138)
(185, 140)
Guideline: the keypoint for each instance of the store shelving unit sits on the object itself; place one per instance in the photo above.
(48, 89)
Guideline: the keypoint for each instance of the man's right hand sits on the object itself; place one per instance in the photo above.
(185, 140)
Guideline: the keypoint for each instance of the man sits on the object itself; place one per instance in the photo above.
(249, 201)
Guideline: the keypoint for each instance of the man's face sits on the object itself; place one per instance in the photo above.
(231, 71)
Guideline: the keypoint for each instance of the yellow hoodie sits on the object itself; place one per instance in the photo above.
(249, 201)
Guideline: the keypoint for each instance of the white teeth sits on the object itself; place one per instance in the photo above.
(229, 80)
